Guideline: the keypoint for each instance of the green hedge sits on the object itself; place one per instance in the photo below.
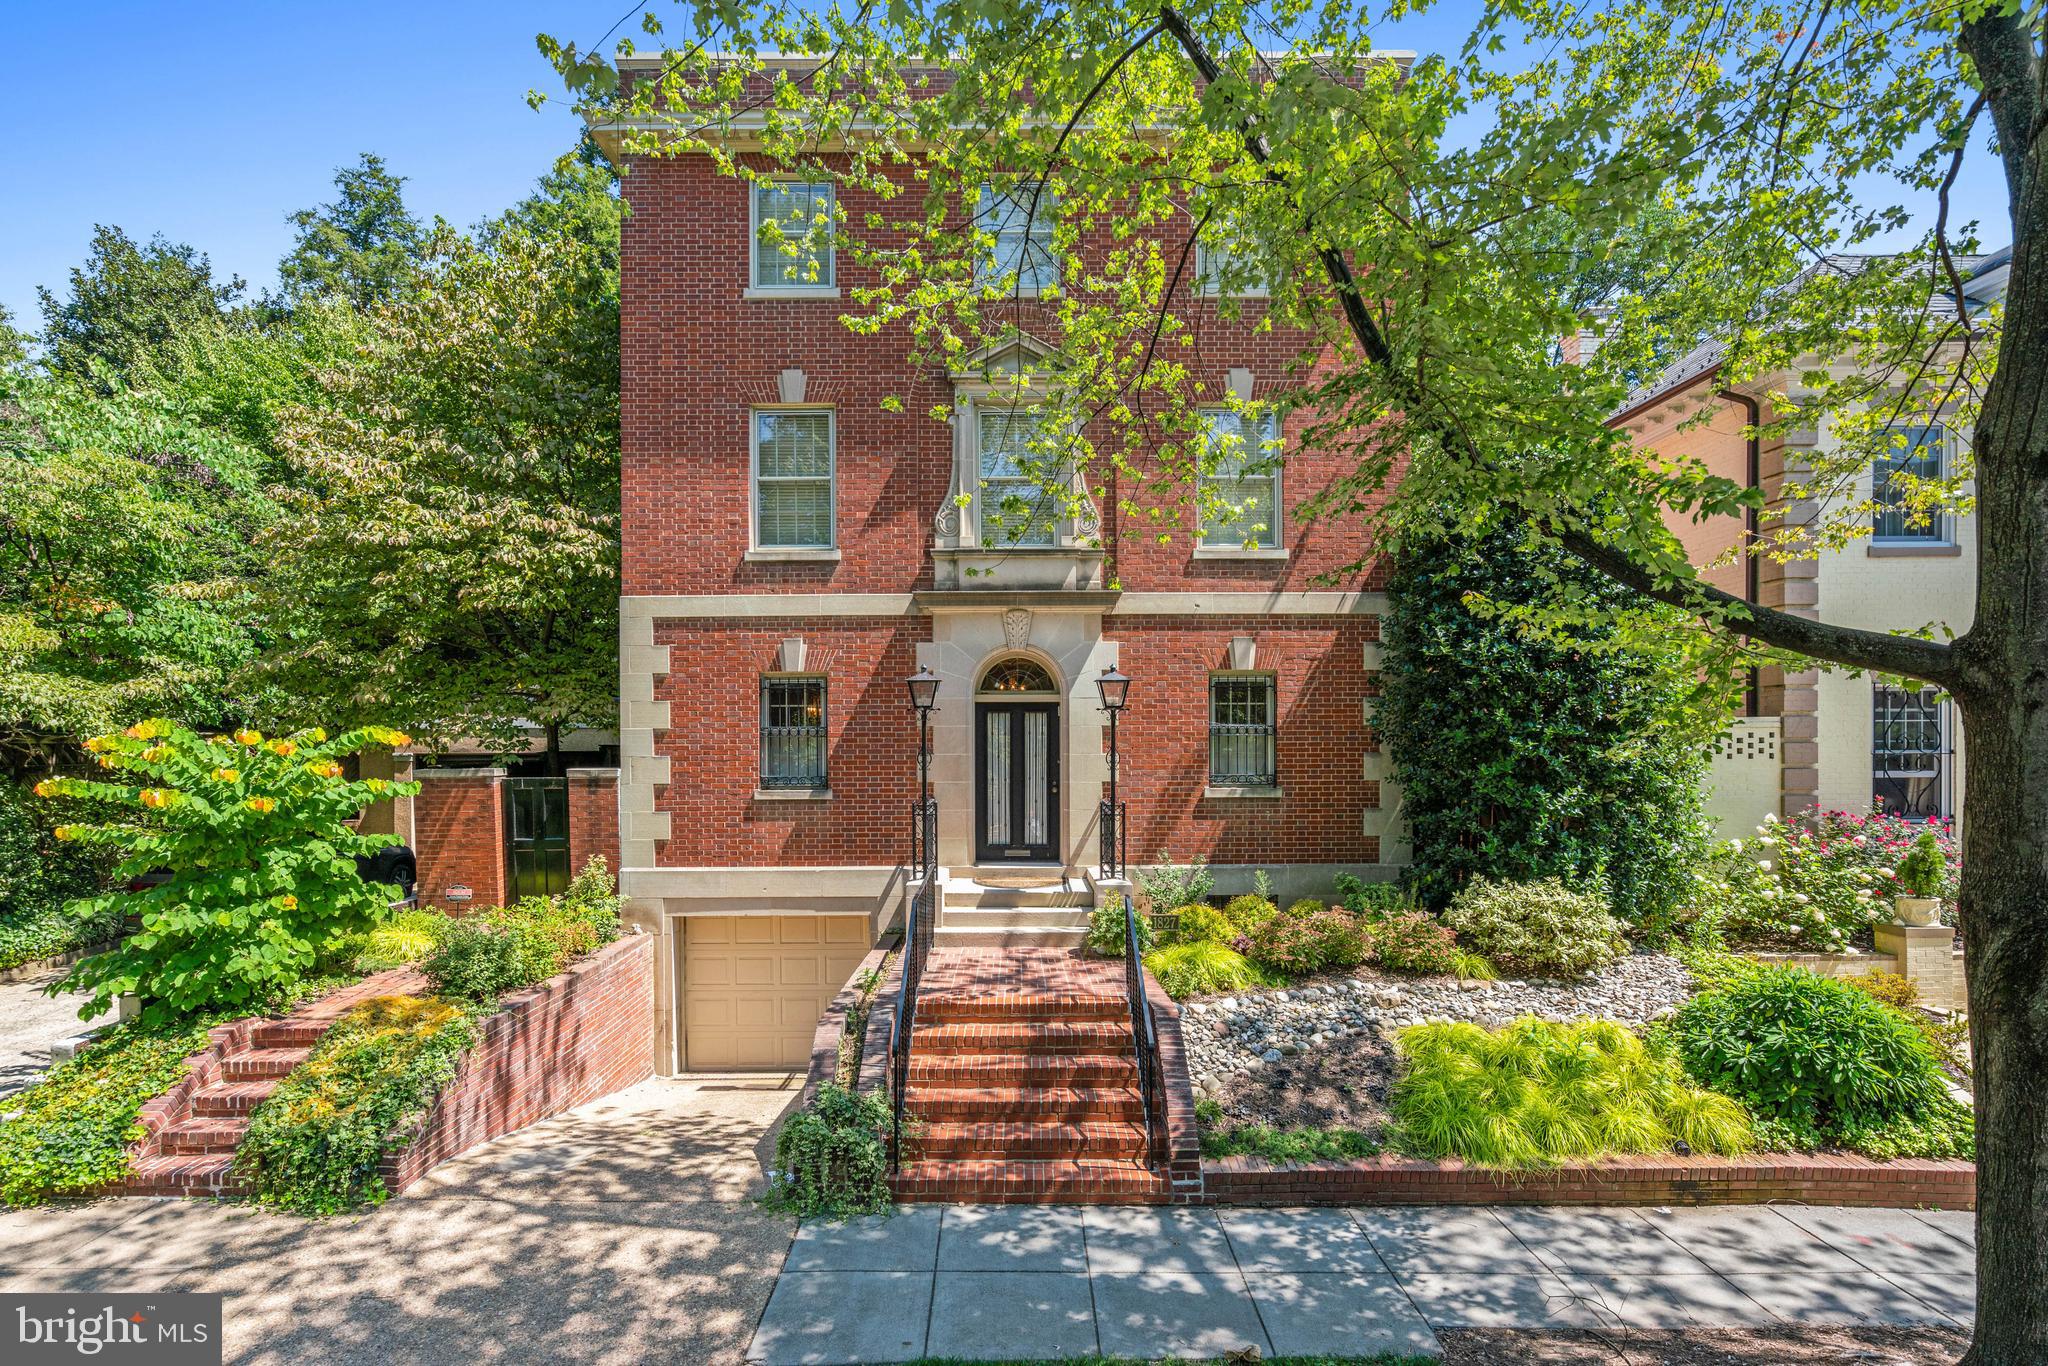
(1523, 758)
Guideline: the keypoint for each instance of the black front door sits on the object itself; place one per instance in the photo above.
(537, 836)
(1017, 789)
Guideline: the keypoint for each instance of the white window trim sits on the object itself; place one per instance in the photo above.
(1941, 536)
(1238, 550)
(755, 289)
(984, 269)
(1209, 289)
(757, 551)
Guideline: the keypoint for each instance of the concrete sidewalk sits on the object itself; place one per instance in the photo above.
(30, 1022)
(1038, 1282)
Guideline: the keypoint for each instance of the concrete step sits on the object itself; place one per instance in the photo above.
(232, 1097)
(255, 1064)
(1029, 1139)
(1024, 1104)
(1021, 1036)
(1013, 917)
(966, 893)
(1011, 937)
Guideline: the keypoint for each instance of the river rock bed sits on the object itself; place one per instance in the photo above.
(1229, 1036)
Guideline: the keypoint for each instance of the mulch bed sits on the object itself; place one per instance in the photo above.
(1342, 1085)
(1784, 1346)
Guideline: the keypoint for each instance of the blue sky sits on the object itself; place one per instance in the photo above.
(209, 121)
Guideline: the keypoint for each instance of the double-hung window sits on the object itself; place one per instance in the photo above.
(1019, 457)
(1223, 270)
(1023, 246)
(793, 473)
(785, 256)
(1241, 730)
(1915, 452)
(792, 732)
(1240, 479)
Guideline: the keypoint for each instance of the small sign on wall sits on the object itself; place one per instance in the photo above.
(457, 893)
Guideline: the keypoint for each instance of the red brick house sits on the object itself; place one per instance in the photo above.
(795, 548)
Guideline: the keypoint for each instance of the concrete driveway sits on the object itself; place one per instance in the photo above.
(624, 1231)
(29, 1023)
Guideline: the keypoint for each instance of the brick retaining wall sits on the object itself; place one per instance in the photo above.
(571, 1039)
(1816, 1180)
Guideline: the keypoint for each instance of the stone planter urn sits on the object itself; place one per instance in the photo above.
(1917, 910)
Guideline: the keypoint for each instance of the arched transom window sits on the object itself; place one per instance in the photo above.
(1017, 675)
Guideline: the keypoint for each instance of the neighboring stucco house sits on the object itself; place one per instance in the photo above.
(1815, 739)
(794, 548)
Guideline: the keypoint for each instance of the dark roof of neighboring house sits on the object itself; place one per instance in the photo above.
(1983, 277)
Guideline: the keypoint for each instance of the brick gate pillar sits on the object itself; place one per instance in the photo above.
(459, 823)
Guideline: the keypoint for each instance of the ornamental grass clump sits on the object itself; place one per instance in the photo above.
(314, 1145)
(1207, 968)
(254, 835)
(1537, 1093)
(1537, 927)
(1820, 1061)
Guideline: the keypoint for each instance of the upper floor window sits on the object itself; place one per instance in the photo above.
(1916, 452)
(1241, 731)
(792, 732)
(784, 213)
(1017, 457)
(1240, 479)
(793, 473)
(1023, 232)
(1221, 269)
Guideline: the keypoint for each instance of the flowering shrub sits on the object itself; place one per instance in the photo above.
(253, 834)
(1793, 887)
(1880, 839)
(1295, 944)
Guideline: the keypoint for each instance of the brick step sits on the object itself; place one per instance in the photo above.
(232, 1097)
(1022, 1069)
(256, 1064)
(1099, 1181)
(1024, 1104)
(299, 1034)
(1010, 1140)
(205, 1134)
(185, 1174)
(939, 1008)
(1021, 1036)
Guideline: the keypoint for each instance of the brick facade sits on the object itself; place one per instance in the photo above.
(459, 829)
(582, 1034)
(593, 817)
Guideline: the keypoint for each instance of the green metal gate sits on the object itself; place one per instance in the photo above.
(537, 836)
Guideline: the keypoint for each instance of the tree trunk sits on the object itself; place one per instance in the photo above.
(554, 754)
(2004, 898)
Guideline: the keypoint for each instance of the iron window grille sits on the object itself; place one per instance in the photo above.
(1908, 749)
(1920, 456)
(1241, 731)
(792, 732)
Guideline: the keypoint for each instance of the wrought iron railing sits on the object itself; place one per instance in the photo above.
(1142, 1041)
(921, 913)
(1115, 840)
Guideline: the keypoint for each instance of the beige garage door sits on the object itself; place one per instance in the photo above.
(754, 985)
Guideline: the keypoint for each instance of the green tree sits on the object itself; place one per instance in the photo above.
(362, 246)
(1523, 757)
(1279, 133)
(577, 199)
(128, 305)
(448, 553)
(125, 523)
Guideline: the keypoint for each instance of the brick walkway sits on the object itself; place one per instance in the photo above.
(1021, 1283)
